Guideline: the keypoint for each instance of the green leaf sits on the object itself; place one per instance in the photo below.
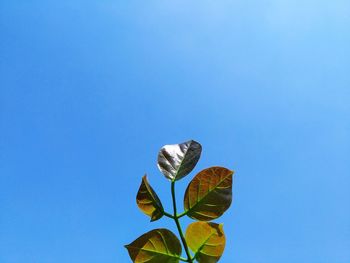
(209, 194)
(148, 201)
(206, 240)
(156, 246)
(177, 160)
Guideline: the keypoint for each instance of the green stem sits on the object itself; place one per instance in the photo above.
(168, 215)
(182, 214)
(176, 219)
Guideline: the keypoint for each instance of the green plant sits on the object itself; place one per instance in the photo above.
(207, 197)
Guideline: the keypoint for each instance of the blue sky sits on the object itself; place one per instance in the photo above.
(90, 91)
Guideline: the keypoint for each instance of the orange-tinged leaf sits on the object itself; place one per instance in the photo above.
(209, 194)
(148, 201)
(206, 240)
(156, 246)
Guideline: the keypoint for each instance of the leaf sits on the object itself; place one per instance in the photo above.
(148, 201)
(177, 160)
(156, 246)
(209, 194)
(206, 240)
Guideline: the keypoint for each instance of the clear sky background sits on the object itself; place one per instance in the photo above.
(90, 91)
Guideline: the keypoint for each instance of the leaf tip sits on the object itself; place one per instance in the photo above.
(155, 218)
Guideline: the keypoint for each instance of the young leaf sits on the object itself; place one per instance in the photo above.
(156, 246)
(177, 160)
(148, 201)
(206, 240)
(209, 194)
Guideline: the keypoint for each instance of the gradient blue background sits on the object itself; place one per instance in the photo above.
(90, 91)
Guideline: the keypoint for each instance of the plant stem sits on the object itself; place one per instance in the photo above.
(182, 214)
(168, 215)
(183, 259)
(176, 219)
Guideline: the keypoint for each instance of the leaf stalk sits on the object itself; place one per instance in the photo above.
(177, 222)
